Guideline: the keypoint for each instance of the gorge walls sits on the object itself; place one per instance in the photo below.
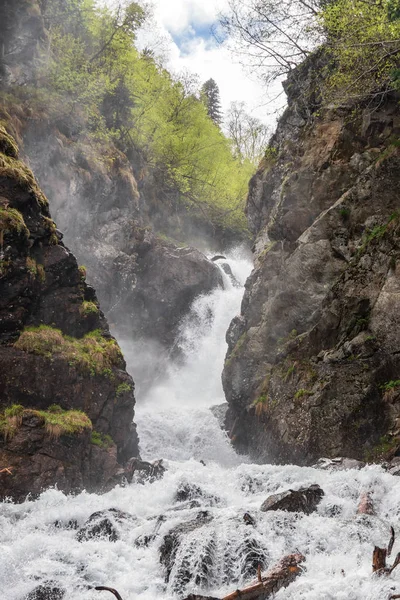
(313, 362)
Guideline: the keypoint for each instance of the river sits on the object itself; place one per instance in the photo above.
(175, 423)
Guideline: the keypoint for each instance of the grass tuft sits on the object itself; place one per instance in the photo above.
(92, 354)
(56, 421)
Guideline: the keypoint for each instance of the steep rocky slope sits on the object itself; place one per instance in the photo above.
(313, 362)
(66, 401)
(107, 204)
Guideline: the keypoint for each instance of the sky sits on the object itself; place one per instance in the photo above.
(186, 25)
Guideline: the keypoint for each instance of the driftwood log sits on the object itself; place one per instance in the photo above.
(101, 588)
(280, 576)
(380, 555)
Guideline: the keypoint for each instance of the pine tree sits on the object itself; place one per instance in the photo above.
(210, 95)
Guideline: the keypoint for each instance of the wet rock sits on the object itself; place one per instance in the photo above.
(228, 271)
(219, 412)
(318, 335)
(46, 591)
(146, 540)
(71, 524)
(190, 492)
(142, 471)
(248, 519)
(393, 466)
(172, 540)
(43, 288)
(304, 500)
(338, 464)
(103, 524)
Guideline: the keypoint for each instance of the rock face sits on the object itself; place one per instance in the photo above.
(56, 351)
(145, 282)
(304, 500)
(313, 362)
(22, 39)
(105, 202)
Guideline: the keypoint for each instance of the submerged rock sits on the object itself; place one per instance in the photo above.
(46, 591)
(172, 540)
(304, 500)
(142, 471)
(190, 492)
(104, 525)
(338, 464)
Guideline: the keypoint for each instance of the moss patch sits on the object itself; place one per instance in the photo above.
(11, 221)
(11, 168)
(123, 388)
(56, 421)
(89, 308)
(92, 354)
(101, 440)
(7, 144)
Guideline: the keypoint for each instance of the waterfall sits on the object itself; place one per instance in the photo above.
(38, 541)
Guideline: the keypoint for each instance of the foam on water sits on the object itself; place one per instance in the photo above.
(175, 423)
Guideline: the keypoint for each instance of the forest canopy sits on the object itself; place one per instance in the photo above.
(99, 85)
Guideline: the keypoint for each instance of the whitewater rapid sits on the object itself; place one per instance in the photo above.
(175, 423)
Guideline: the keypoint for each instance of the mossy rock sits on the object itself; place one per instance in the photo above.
(7, 144)
(91, 355)
(12, 221)
(13, 169)
(56, 421)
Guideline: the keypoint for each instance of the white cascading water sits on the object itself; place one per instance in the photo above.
(175, 423)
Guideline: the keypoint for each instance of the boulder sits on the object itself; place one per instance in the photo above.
(46, 591)
(304, 500)
(142, 471)
(172, 540)
(103, 525)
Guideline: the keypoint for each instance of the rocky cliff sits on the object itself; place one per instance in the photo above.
(313, 362)
(108, 204)
(66, 400)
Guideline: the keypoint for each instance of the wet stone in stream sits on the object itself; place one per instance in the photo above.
(103, 524)
(46, 591)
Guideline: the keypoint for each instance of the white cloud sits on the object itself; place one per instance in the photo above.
(177, 15)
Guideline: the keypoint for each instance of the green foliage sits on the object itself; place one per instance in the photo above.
(301, 393)
(101, 440)
(82, 272)
(385, 446)
(390, 385)
(117, 94)
(93, 354)
(13, 411)
(13, 169)
(64, 422)
(7, 144)
(89, 308)
(344, 213)
(11, 220)
(56, 421)
(364, 46)
(123, 388)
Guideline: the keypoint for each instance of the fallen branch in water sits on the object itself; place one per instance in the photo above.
(280, 576)
(380, 555)
(107, 589)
